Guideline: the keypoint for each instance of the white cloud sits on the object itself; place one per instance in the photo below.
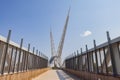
(86, 33)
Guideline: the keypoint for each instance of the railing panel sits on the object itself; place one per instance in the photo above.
(29, 61)
(16, 62)
(2, 50)
(116, 50)
(84, 62)
(21, 62)
(99, 64)
(91, 61)
(13, 60)
(23, 59)
(102, 59)
(7, 60)
(94, 63)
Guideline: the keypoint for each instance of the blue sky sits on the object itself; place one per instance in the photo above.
(31, 20)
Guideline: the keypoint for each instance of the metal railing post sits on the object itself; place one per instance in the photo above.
(87, 58)
(101, 61)
(6, 51)
(81, 59)
(27, 57)
(93, 62)
(96, 58)
(112, 55)
(10, 60)
(78, 60)
(15, 60)
(105, 61)
(19, 57)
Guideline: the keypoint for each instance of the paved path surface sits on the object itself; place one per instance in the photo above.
(56, 75)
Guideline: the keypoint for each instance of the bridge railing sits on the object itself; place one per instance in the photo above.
(102, 59)
(15, 58)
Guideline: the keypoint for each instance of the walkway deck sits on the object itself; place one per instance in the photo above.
(56, 75)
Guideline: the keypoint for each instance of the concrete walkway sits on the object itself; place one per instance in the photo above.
(56, 75)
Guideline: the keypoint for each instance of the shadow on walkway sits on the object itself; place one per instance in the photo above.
(66, 76)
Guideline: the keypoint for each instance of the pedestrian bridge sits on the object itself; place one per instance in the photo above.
(99, 63)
